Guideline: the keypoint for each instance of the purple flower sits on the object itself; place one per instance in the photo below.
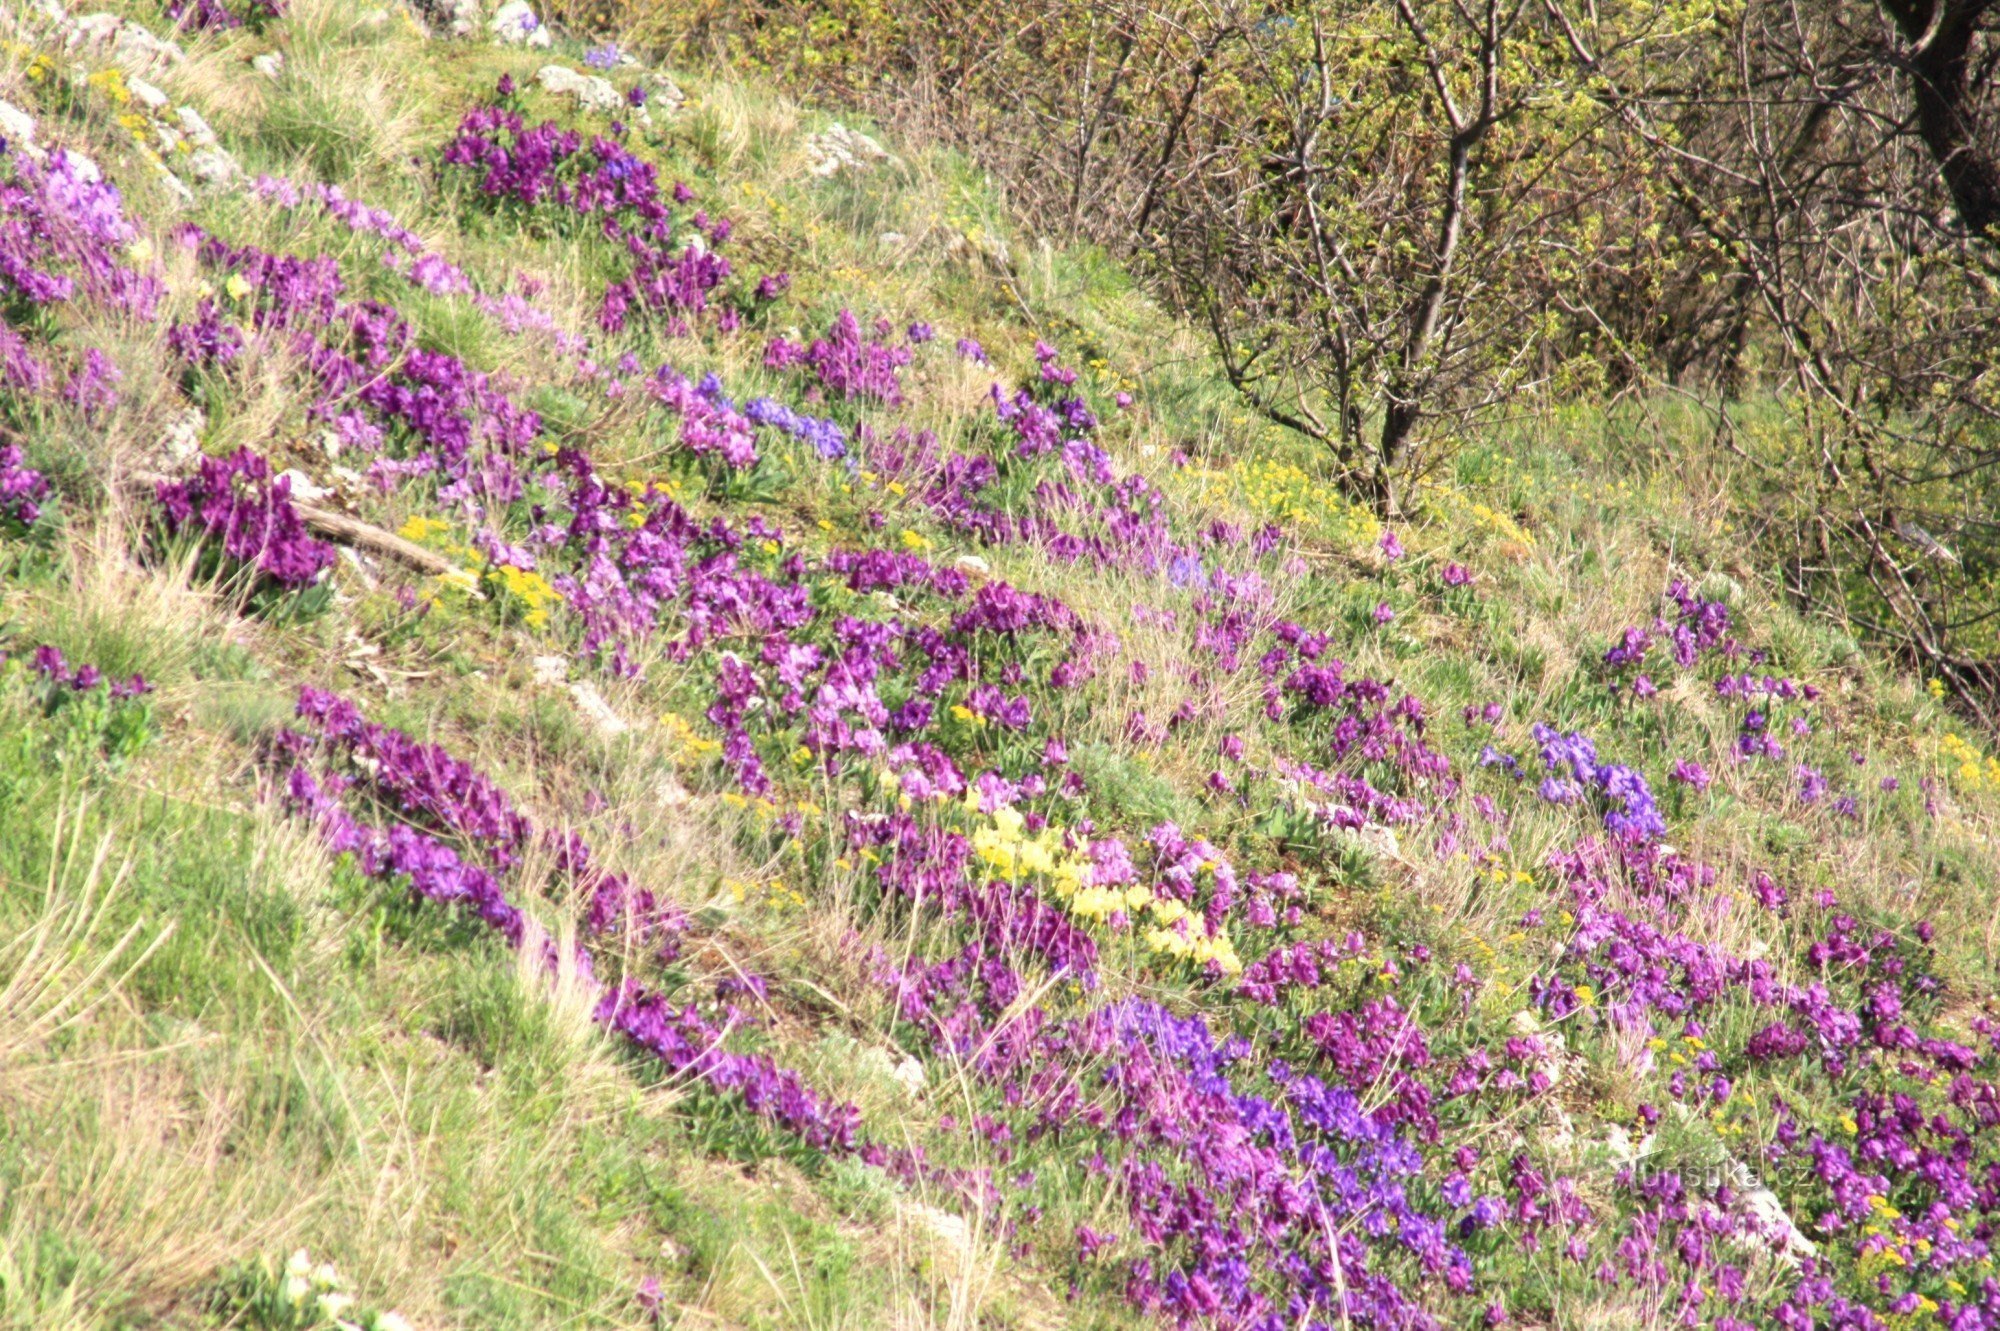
(235, 501)
(1559, 790)
(1687, 772)
(22, 488)
(1089, 1242)
(846, 361)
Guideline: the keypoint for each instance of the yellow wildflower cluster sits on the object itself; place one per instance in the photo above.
(1190, 944)
(529, 588)
(39, 67)
(1498, 871)
(111, 84)
(423, 530)
(764, 200)
(640, 489)
(692, 743)
(1969, 769)
(522, 587)
(771, 892)
(1107, 378)
(1281, 492)
(1463, 511)
(1477, 941)
(154, 124)
(1003, 844)
(766, 809)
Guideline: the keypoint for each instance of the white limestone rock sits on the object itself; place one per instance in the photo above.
(18, 128)
(82, 167)
(909, 1075)
(146, 94)
(591, 92)
(137, 50)
(181, 442)
(1371, 838)
(197, 130)
(838, 148)
(214, 166)
(516, 23)
(304, 488)
(450, 18)
(95, 29)
(663, 96)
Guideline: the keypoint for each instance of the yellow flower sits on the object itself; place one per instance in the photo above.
(111, 82)
(237, 286)
(420, 528)
(530, 589)
(683, 734)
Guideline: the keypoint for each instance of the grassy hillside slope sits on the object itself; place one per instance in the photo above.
(642, 714)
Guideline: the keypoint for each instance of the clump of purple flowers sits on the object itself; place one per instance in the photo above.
(215, 15)
(545, 173)
(236, 501)
(846, 361)
(425, 783)
(710, 423)
(1573, 766)
(823, 435)
(55, 668)
(22, 488)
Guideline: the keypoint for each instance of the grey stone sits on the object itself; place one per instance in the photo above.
(516, 22)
